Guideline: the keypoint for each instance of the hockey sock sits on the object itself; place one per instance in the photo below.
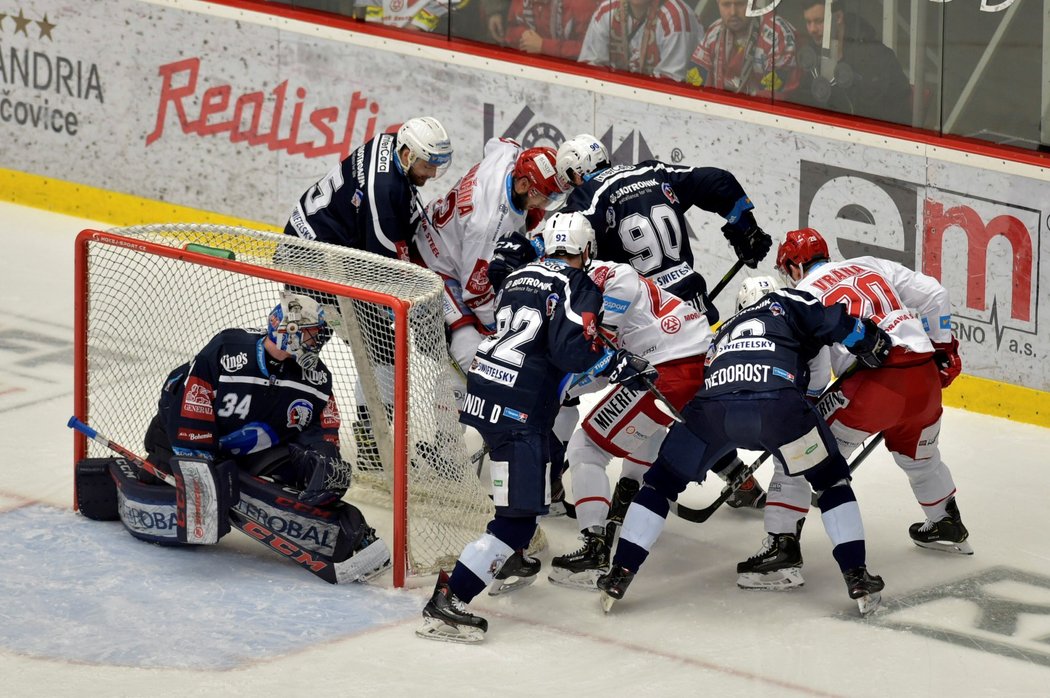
(480, 560)
(841, 517)
(643, 524)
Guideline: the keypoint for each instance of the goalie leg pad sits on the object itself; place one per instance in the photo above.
(96, 489)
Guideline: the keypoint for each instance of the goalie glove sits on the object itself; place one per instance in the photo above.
(750, 242)
(869, 343)
(949, 363)
(631, 371)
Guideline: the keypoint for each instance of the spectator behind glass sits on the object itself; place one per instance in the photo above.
(856, 74)
(747, 55)
(548, 27)
(651, 37)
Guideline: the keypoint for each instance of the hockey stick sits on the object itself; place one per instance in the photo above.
(153, 470)
(662, 402)
(857, 460)
(701, 515)
(737, 266)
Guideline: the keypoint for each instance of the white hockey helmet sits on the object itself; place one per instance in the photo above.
(753, 289)
(427, 140)
(297, 325)
(581, 155)
(569, 233)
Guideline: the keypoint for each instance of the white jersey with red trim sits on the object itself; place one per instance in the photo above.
(459, 236)
(913, 308)
(649, 321)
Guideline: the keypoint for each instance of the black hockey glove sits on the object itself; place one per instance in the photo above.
(692, 288)
(631, 371)
(750, 242)
(874, 347)
(512, 252)
(325, 478)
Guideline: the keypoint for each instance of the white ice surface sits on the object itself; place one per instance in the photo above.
(85, 610)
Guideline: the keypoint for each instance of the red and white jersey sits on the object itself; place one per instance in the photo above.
(648, 321)
(659, 44)
(913, 308)
(467, 223)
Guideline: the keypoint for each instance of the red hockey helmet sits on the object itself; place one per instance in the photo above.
(801, 247)
(538, 166)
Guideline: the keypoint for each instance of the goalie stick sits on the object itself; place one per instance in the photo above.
(322, 568)
(701, 515)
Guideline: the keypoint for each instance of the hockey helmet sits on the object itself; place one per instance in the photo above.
(297, 325)
(569, 233)
(753, 289)
(537, 166)
(800, 247)
(581, 155)
(427, 140)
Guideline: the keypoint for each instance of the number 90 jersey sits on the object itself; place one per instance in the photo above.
(235, 399)
(638, 213)
(546, 323)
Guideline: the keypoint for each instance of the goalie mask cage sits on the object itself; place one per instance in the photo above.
(149, 298)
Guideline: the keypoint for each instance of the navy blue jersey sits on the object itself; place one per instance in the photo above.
(768, 345)
(546, 324)
(233, 399)
(365, 202)
(638, 213)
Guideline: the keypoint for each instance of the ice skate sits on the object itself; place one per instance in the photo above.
(777, 566)
(613, 585)
(864, 588)
(947, 535)
(581, 568)
(517, 572)
(446, 618)
(557, 506)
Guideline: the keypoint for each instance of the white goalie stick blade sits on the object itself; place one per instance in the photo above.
(960, 548)
(780, 580)
(607, 602)
(364, 565)
(586, 580)
(870, 603)
(434, 629)
(505, 586)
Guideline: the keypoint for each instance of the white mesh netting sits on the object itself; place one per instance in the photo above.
(146, 314)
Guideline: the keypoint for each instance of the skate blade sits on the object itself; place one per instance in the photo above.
(587, 580)
(505, 586)
(434, 629)
(607, 602)
(870, 603)
(555, 510)
(960, 548)
(780, 580)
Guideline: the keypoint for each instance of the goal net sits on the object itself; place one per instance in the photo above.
(150, 297)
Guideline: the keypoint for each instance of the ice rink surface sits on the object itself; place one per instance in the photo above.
(85, 610)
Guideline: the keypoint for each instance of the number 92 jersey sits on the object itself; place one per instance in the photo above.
(546, 323)
(638, 213)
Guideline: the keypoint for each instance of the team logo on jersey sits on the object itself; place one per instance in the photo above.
(314, 377)
(330, 415)
(776, 309)
(196, 401)
(552, 303)
(669, 193)
(600, 276)
(478, 282)
(610, 217)
(515, 415)
(195, 436)
(234, 363)
(670, 324)
(357, 198)
(590, 325)
(300, 412)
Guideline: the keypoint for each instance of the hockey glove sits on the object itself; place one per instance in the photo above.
(512, 252)
(630, 371)
(946, 354)
(692, 288)
(325, 478)
(873, 347)
(750, 242)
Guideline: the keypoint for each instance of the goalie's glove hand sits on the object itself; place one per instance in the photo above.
(631, 371)
(750, 242)
(872, 347)
(949, 364)
(316, 470)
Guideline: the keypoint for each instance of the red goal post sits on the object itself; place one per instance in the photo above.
(149, 297)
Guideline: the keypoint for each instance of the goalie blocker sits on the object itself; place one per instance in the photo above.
(333, 542)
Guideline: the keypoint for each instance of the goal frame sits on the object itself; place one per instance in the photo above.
(398, 307)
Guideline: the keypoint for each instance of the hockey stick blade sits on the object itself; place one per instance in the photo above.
(702, 515)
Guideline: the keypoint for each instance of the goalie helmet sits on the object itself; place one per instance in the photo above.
(800, 247)
(753, 289)
(427, 140)
(581, 155)
(537, 166)
(297, 326)
(569, 233)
